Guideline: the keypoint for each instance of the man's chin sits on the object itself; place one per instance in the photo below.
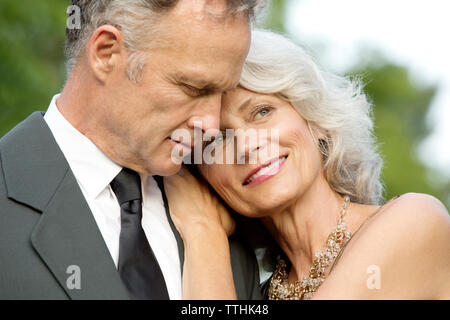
(165, 171)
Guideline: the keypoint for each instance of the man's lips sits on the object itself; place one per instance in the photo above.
(256, 173)
(184, 145)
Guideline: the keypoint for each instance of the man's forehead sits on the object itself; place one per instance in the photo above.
(200, 8)
(190, 18)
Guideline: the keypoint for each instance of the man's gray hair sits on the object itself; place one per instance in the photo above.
(137, 21)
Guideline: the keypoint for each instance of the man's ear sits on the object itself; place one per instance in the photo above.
(105, 51)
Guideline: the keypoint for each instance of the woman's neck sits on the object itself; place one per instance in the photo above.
(302, 228)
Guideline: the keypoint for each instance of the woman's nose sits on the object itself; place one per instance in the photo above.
(247, 146)
(256, 147)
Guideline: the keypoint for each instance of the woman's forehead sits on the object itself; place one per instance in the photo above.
(240, 98)
(234, 95)
(232, 101)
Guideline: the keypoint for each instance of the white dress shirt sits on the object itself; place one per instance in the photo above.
(94, 171)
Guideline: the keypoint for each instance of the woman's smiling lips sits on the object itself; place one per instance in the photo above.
(265, 171)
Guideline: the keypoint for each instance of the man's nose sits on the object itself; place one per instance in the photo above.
(206, 114)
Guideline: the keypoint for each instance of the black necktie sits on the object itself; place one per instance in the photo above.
(138, 266)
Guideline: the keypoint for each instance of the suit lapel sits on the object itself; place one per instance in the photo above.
(180, 244)
(66, 236)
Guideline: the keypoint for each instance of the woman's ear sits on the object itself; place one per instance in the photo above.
(320, 137)
(317, 133)
(105, 51)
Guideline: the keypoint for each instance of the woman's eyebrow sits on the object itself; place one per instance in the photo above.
(245, 105)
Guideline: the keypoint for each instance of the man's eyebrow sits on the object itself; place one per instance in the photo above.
(198, 83)
(204, 84)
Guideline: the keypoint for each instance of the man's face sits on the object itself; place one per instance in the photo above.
(182, 83)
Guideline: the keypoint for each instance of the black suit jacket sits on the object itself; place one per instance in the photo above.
(46, 227)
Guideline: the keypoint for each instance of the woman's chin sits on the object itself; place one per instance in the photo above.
(270, 201)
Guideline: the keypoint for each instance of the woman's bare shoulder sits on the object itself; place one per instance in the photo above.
(420, 204)
(414, 212)
(406, 245)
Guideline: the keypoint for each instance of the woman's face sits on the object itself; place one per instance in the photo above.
(295, 157)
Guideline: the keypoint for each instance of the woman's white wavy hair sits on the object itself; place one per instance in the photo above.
(335, 107)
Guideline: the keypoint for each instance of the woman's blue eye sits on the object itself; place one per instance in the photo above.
(263, 112)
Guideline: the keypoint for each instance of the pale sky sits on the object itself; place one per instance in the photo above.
(413, 33)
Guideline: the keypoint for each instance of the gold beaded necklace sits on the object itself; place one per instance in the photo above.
(280, 289)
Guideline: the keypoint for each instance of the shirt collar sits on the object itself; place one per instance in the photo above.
(92, 168)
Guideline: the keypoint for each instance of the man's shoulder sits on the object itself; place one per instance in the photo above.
(32, 163)
(12, 143)
(27, 127)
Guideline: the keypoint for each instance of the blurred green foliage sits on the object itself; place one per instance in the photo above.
(32, 37)
(32, 70)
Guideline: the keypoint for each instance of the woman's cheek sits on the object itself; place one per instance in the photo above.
(217, 176)
(228, 188)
